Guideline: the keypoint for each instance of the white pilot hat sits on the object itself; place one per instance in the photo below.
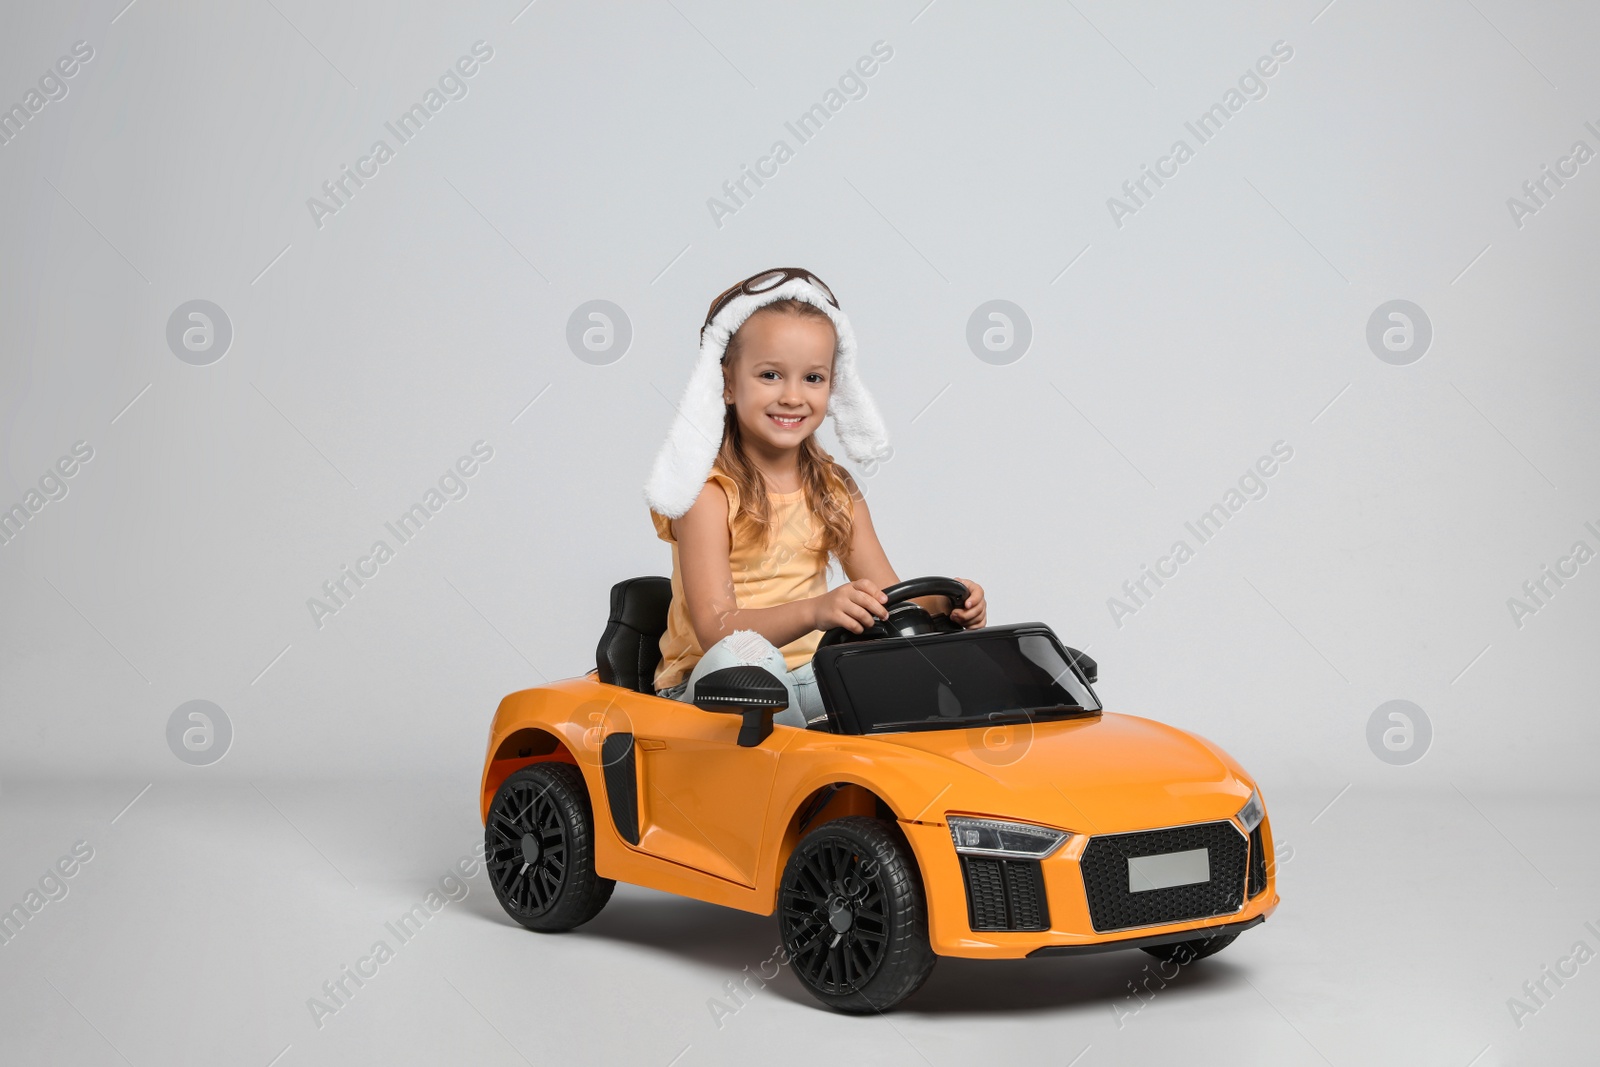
(686, 457)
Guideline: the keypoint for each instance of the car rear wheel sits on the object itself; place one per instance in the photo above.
(539, 848)
(852, 916)
(1188, 951)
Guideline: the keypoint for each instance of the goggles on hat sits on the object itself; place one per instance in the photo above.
(761, 283)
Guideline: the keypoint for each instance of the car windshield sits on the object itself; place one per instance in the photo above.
(967, 680)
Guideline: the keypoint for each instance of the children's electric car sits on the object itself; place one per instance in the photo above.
(966, 796)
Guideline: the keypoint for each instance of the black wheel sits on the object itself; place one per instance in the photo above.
(1188, 951)
(539, 848)
(852, 916)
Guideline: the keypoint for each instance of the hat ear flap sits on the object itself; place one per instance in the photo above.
(856, 421)
(686, 457)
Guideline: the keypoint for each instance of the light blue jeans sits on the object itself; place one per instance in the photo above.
(749, 647)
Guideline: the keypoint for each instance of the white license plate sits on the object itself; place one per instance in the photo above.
(1168, 869)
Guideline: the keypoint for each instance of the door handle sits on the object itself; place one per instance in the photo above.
(648, 744)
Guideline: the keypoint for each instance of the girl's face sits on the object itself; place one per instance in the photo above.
(780, 378)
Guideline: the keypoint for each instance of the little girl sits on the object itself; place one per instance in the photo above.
(754, 507)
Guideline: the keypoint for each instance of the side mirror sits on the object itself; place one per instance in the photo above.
(1090, 669)
(753, 692)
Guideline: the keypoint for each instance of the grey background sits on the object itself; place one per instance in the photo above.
(1167, 355)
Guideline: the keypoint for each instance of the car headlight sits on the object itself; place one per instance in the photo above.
(1252, 813)
(1010, 840)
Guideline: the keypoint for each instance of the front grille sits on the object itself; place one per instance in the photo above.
(1005, 894)
(1258, 863)
(1105, 876)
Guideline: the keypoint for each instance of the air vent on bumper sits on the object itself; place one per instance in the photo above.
(1258, 863)
(1005, 894)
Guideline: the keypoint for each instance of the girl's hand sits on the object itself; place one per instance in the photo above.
(855, 606)
(976, 611)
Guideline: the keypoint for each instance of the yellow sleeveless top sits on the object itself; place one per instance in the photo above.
(764, 576)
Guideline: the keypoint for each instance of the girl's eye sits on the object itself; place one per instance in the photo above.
(814, 378)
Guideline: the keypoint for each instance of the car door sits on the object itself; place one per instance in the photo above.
(702, 799)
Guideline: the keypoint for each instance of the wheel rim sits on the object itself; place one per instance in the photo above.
(527, 855)
(833, 918)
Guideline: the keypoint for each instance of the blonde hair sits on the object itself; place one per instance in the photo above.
(826, 485)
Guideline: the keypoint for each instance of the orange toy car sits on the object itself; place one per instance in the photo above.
(966, 796)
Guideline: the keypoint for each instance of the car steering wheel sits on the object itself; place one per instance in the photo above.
(905, 618)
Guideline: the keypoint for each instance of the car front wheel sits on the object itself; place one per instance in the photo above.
(539, 847)
(852, 916)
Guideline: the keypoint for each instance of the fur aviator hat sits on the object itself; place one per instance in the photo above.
(686, 458)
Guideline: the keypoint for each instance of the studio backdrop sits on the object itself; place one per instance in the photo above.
(1251, 349)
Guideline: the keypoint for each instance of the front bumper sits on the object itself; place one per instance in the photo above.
(1055, 902)
(1148, 940)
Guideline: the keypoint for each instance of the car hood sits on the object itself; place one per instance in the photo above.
(1101, 774)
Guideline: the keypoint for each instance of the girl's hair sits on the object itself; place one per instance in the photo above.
(827, 492)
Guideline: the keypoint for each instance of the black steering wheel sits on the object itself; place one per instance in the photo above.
(905, 618)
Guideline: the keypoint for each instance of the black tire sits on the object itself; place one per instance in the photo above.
(1188, 951)
(852, 916)
(539, 849)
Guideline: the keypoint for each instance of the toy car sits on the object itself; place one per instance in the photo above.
(966, 796)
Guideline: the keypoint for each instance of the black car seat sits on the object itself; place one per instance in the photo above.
(630, 647)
